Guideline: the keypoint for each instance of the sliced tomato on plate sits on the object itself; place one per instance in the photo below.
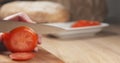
(96, 23)
(83, 23)
(80, 23)
(92, 23)
(20, 39)
(22, 56)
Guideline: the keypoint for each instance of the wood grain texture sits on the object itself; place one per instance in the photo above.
(103, 48)
(42, 56)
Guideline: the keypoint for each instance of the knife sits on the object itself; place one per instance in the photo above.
(40, 28)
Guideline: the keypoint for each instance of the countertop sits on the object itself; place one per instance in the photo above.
(102, 48)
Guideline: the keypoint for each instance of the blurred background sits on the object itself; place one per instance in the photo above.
(100, 10)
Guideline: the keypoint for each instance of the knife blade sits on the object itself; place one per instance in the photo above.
(40, 28)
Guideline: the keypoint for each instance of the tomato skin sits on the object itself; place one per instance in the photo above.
(96, 23)
(22, 56)
(83, 23)
(5, 39)
(21, 39)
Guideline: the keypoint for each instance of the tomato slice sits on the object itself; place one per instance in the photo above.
(22, 56)
(83, 23)
(80, 23)
(96, 23)
(21, 39)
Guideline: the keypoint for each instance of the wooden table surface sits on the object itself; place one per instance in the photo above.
(103, 48)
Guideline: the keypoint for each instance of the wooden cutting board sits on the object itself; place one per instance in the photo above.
(42, 56)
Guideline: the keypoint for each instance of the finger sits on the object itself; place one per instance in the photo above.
(39, 39)
(24, 17)
(36, 49)
(39, 42)
(19, 17)
(14, 17)
(2, 47)
(1, 36)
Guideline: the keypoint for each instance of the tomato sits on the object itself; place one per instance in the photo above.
(92, 23)
(80, 23)
(5, 37)
(20, 39)
(22, 56)
(96, 23)
(83, 23)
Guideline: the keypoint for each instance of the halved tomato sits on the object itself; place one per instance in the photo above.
(22, 56)
(21, 39)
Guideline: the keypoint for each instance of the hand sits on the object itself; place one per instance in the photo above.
(22, 17)
(19, 17)
(1, 36)
(2, 47)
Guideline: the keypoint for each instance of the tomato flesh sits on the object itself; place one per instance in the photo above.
(21, 39)
(83, 23)
(22, 56)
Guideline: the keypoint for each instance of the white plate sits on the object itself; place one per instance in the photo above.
(77, 32)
